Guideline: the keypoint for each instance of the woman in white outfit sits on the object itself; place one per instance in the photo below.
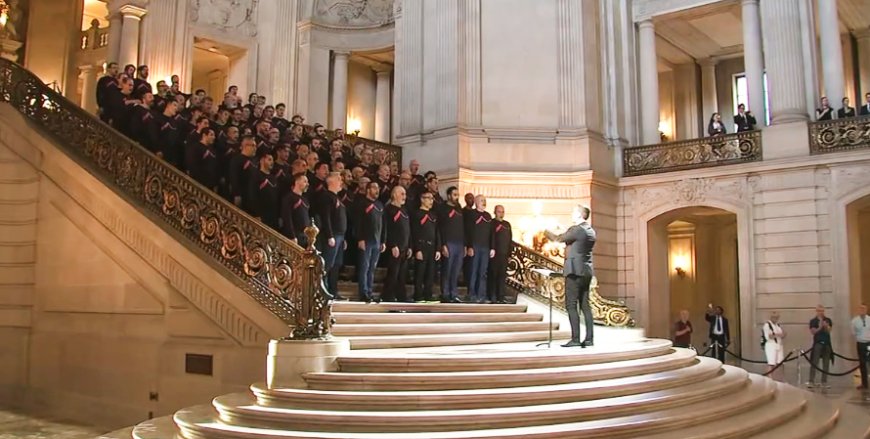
(773, 347)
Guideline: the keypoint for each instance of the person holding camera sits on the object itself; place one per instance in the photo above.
(820, 327)
(719, 332)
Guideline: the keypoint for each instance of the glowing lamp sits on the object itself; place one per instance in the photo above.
(681, 264)
(354, 125)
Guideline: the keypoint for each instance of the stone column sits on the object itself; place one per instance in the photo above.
(113, 51)
(382, 105)
(831, 49)
(709, 99)
(469, 64)
(129, 52)
(89, 88)
(649, 83)
(753, 60)
(784, 61)
(339, 90)
(863, 40)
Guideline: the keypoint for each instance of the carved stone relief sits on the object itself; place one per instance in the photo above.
(846, 179)
(226, 15)
(354, 13)
(690, 192)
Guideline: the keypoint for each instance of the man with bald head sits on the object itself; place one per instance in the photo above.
(331, 218)
(502, 245)
(397, 236)
(478, 243)
(861, 329)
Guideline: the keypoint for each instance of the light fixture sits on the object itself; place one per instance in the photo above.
(680, 272)
(680, 261)
(354, 125)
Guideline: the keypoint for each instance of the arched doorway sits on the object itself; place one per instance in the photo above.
(693, 263)
(858, 231)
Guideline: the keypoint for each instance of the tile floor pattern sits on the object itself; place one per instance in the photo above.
(17, 425)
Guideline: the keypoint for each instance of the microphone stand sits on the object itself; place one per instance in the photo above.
(547, 277)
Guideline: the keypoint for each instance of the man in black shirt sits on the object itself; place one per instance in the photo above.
(281, 170)
(478, 240)
(140, 84)
(242, 169)
(397, 228)
(502, 244)
(426, 244)
(164, 133)
(744, 120)
(202, 160)
(140, 121)
(227, 147)
(263, 192)
(295, 215)
(120, 105)
(369, 228)
(452, 245)
(820, 327)
(105, 87)
(331, 218)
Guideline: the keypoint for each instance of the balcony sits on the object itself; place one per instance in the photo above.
(94, 38)
(692, 154)
(839, 135)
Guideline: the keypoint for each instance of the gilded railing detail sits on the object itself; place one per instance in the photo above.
(690, 154)
(281, 276)
(521, 278)
(391, 152)
(840, 135)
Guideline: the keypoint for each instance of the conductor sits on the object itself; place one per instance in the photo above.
(579, 240)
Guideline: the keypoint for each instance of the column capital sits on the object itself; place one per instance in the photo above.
(341, 53)
(646, 23)
(861, 34)
(708, 62)
(749, 2)
(382, 69)
(132, 11)
(87, 68)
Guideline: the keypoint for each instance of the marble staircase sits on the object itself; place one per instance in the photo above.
(413, 373)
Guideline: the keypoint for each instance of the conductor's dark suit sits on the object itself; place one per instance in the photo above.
(718, 333)
(578, 271)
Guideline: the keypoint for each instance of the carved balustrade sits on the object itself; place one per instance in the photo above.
(94, 37)
(690, 154)
(391, 152)
(521, 278)
(839, 135)
(283, 277)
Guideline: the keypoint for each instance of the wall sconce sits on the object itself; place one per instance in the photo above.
(681, 264)
(354, 125)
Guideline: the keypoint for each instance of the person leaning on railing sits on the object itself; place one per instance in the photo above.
(715, 127)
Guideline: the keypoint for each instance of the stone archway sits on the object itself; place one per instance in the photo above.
(858, 241)
(692, 263)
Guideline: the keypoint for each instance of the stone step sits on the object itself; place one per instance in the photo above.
(414, 341)
(707, 371)
(345, 330)
(341, 307)
(488, 379)
(202, 422)
(788, 404)
(699, 383)
(351, 287)
(157, 428)
(490, 360)
(440, 317)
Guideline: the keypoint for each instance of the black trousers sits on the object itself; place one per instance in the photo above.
(498, 276)
(424, 273)
(577, 300)
(397, 273)
(718, 351)
(862, 361)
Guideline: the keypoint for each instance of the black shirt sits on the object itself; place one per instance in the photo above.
(203, 164)
(424, 230)
(242, 170)
(502, 238)
(823, 337)
(105, 86)
(369, 220)
(140, 123)
(263, 195)
(452, 226)
(331, 215)
(479, 231)
(397, 227)
(295, 215)
(164, 137)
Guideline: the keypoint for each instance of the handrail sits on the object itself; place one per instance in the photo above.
(839, 135)
(691, 154)
(283, 277)
(521, 278)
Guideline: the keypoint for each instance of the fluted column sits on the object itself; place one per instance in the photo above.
(753, 59)
(113, 51)
(831, 51)
(709, 100)
(469, 64)
(339, 90)
(649, 83)
(382, 105)
(863, 40)
(284, 61)
(784, 61)
(158, 45)
(88, 74)
(129, 52)
(569, 63)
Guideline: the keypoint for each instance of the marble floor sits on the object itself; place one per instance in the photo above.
(17, 425)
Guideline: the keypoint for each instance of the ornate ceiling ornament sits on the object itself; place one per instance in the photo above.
(354, 13)
(226, 15)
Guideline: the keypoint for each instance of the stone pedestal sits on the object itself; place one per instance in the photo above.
(785, 140)
(9, 49)
(287, 360)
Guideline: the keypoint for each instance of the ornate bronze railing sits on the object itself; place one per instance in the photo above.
(521, 278)
(690, 154)
(281, 276)
(839, 135)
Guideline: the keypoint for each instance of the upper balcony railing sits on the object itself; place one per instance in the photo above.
(839, 135)
(94, 37)
(691, 154)
(283, 277)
